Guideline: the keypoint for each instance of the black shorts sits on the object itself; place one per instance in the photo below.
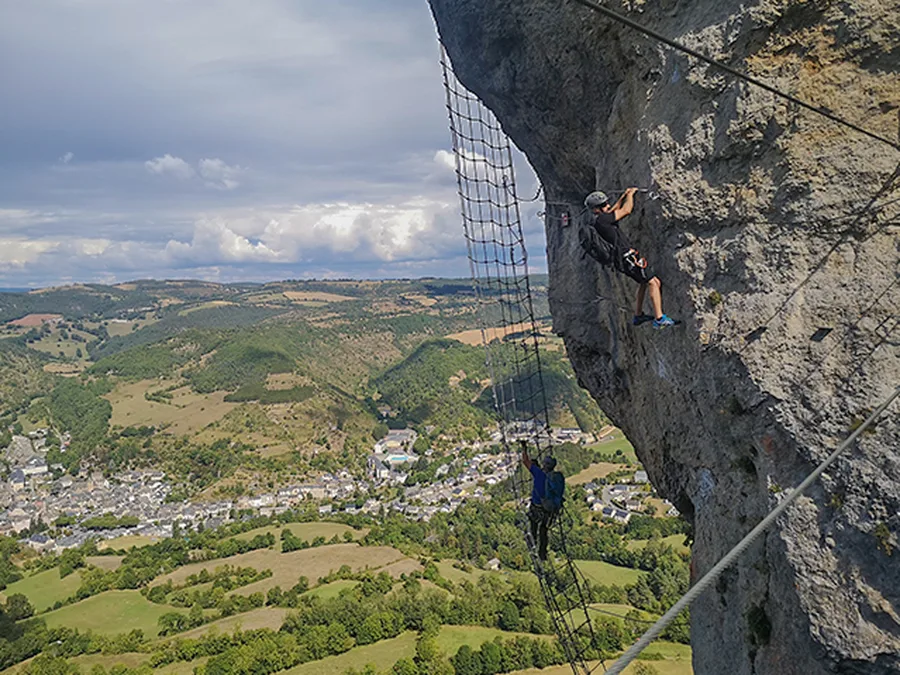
(637, 267)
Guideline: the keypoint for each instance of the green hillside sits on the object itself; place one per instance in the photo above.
(446, 383)
(282, 379)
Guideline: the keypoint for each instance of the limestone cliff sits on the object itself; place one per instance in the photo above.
(775, 225)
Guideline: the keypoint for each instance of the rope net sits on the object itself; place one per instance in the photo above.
(499, 264)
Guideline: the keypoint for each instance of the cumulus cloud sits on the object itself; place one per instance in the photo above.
(215, 241)
(167, 164)
(338, 108)
(16, 253)
(217, 174)
(415, 230)
(214, 172)
(445, 159)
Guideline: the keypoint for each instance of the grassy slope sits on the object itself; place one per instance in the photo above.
(382, 655)
(333, 589)
(306, 531)
(616, 441)
(676, 541)
(264, 617)
(288, 567)
(110, 613)
(45, 588)
(604, 573)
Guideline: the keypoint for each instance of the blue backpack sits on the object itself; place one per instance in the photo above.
(553, 496)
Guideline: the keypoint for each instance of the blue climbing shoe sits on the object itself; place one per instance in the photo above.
(638, 319)
(663, 322)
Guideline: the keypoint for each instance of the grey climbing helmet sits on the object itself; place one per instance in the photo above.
(595, 199)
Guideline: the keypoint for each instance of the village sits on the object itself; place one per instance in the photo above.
(89, 505)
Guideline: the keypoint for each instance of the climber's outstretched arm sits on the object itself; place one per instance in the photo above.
(625, 205)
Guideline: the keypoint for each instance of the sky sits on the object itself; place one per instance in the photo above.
(227, 140)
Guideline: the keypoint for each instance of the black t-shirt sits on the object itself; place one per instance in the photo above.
(609, 229)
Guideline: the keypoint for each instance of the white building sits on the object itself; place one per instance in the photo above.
(396, 439)
(619, 515)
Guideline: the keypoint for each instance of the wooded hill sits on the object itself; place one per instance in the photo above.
(140, 372)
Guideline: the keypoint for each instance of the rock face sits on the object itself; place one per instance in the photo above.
(774, 225)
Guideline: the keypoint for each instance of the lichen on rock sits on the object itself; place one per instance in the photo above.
(776, 241)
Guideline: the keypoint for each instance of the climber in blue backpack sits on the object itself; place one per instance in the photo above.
(603, 240)
(546, 497)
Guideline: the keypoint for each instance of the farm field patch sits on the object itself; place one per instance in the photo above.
(110, 613)
(676, 541)
(104, 562)
(606, 574)
(595, 471)
(186, 413)
(264, 617)
(127, 542)
(287, 568)
(306, 531)
(45, 588)
(382, 655)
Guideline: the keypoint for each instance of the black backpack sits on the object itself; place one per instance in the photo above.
(596, 246)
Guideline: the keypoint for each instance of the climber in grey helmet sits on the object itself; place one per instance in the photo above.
(605, 219)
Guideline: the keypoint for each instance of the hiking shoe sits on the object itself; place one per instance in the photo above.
(663, 322)
(638, 319)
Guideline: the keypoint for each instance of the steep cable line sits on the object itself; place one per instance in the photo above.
(634, 25)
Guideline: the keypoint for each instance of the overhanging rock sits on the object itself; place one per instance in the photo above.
(777, 244)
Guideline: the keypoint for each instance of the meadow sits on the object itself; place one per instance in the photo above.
(186, 413)
(110, 613)
(604, 573)
(287, 568)
(307, 531)
(45, 588)
(676, 541)
(613, 442)
(595, 471)
(264, 617)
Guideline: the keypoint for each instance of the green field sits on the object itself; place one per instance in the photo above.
(264, 617)
(104, 562)
(382, 655)
(307, 531)
(287, 568)
(676, 541)
(449, 572)
(617, 609)
(45, 588)
(110, 613)
(451, 638)
(129, 659)
(662, 667)
(677, 661)
(595, 471)
(127, 542)
(619, 442)
(333, 589)
(603, 573)
(181, 667)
